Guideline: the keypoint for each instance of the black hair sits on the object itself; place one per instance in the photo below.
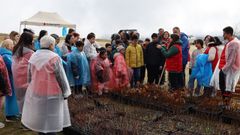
(79, 44)
(228, 30)
(68, 38)
(102, 50)
(25, 40)
(107, 45)
(134, 37)
(175, 38)
(90, 35)
(41, 34)
(83, 39)
(147, 39)
(55, 36)
(199, 41)
(154, 35)
(119, 41)
(71, 30)
(120, 31)
(217, 41)
(28, 30)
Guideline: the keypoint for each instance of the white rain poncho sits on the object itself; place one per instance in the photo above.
(45, 109)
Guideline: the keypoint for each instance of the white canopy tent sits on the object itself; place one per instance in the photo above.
(47, 19)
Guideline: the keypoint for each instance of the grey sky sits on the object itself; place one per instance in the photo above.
(104, 17)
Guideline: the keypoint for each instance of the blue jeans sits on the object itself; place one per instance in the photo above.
(135, 77)
(191, 85)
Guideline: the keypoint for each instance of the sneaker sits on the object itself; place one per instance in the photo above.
(2, 125)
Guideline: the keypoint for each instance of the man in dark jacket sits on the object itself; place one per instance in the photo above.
(154, 61)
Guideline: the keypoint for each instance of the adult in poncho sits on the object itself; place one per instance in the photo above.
(78, 68)
(45, 108)
(120, 69)
(21, 54)
(229, 65)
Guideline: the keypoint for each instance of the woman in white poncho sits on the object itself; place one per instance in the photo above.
(45, 108)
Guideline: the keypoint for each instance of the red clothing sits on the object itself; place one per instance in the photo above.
(166, 41)
(215, 61)
(174, 63)
(222, 62)
(4, 73)
(100, 65)
(120, 71)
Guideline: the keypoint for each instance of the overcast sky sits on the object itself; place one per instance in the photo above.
(104, 17)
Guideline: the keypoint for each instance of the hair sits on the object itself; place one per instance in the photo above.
(25, 40)
(174, 38)
(28, 30)
(13, 34)
(90, 36)
(164, 34)
(206, 37)
(120, 31)
(160, 29)
(154, 35)
(71, 30)
(119, 41)
(41, 34)
(55, 36)
(83, 39)
(134, 37)
(115, 37)
(46, 41)
(199, 41)
(76, 34)
(68, 38)
(176, 28)
(228, 30)
(6, 43)
(102, 50)
(148, 40)
(79, 44)
(107, 45)
(217, 41)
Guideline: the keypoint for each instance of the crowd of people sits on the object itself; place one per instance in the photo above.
(37, 76)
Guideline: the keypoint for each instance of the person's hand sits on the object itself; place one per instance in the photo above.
(159, 46)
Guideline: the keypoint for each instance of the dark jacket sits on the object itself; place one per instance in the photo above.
(154, 55)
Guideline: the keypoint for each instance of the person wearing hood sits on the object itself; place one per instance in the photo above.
(79, 71)
(90, 47)
(21, 54)
(155, 61)
(37, 41)
(174, 62)
(229, 65)
(45, 107)
(185, 48)
(5, 87)
(11, 106)
(120, 69)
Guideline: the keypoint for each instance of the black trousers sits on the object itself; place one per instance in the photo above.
(176, 80)
(142, 76)
(154, 74)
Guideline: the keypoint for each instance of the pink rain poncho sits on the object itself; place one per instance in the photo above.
(45, 109)
(120, 71)
(19, 71)
(105, 80)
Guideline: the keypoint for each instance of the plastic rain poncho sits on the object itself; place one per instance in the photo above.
(19, 70)
(45, 109)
